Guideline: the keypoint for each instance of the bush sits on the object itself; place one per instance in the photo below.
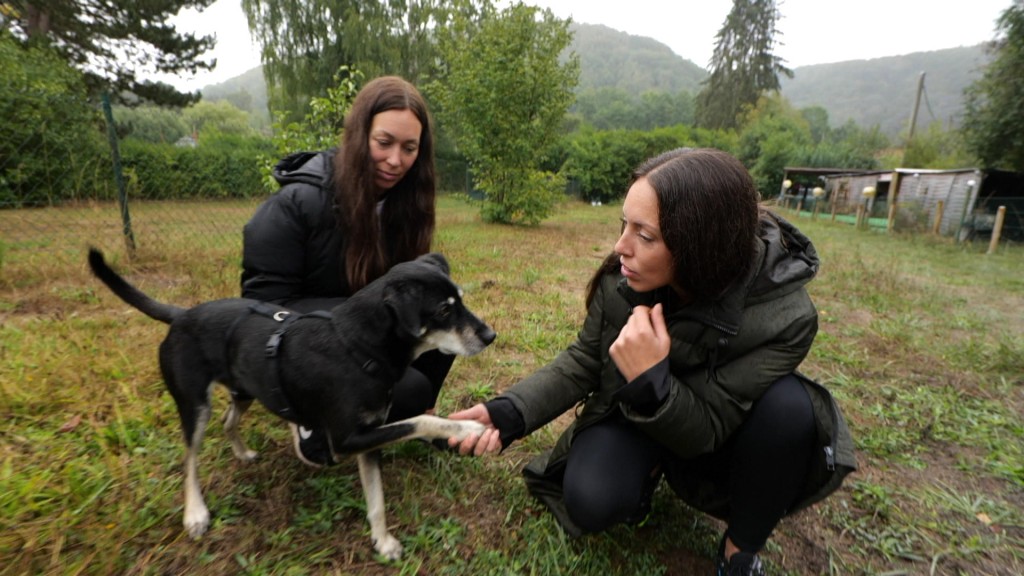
(221, 166)
(51, 147)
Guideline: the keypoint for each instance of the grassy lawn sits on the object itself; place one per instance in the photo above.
(921, 340)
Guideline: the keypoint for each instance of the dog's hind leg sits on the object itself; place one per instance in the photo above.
(373, 490)
(231, 418)
(189, 383)
(197, 516)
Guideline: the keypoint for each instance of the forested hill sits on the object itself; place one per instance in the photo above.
(879, 91)
(636, 64)
(882, 91)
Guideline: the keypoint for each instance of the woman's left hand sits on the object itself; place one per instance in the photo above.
(642, 342)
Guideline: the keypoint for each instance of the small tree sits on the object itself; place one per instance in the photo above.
(321, 127)
(502, 95)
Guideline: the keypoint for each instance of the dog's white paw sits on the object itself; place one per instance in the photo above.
(389, 547)
(468, 428)
(197, 521)
(247, 455)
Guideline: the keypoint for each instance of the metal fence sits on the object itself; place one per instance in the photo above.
(58, 198)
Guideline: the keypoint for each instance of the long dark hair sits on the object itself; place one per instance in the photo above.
(405, 227)
(708, 214)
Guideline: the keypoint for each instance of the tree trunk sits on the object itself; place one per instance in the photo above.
(38, 21)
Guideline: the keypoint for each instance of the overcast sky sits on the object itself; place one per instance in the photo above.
(812, 31)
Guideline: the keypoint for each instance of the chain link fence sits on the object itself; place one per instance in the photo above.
(62, 191)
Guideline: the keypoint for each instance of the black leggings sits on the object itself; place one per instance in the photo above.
(419, 387)
(612, 467)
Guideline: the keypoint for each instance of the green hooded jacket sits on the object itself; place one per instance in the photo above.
(724, 355)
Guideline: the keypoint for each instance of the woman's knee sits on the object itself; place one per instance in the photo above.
(607, 475)
(785, 408)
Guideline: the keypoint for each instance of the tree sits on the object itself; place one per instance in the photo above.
(221, 117)
(994, 118)
(49, 146)
(111, 41)
(149, 123)
(319, 129)
(305, 43)
(936, 148)
(771, 134)
(742, 67)
(503, 94)
(608, 108)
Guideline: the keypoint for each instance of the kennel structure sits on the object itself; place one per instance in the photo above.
(966, 199)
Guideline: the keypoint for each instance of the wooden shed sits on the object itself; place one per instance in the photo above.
(968, 197)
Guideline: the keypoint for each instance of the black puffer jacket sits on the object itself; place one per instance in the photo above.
(293, 249)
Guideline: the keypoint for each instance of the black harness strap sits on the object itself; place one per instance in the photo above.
(276, 400)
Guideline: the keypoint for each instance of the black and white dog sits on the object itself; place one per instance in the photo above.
(332, 371)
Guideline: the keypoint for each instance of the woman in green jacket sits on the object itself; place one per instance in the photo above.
(686, 368)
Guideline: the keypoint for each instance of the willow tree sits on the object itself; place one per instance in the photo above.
(743, 67)
(304, 44)
(113, 42)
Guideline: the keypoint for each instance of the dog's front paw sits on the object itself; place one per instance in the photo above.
(389, 547)
(468, 428)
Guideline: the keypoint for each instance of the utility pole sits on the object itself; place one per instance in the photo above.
(917, 106)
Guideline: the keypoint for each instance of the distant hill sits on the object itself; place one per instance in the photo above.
(882, 91)
(247, 91)
(636, 64)
(873, 92)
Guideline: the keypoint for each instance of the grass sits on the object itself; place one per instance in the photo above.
(921, 340)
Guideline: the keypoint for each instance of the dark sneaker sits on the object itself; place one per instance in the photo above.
(740, 564)
(311, 446)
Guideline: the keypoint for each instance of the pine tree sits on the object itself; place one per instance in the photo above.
(742, 66)
(112, 41)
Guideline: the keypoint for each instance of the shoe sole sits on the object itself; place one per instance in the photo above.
(298, 451)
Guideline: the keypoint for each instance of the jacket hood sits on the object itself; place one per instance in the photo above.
(790, 260)
(314, 168)
(785, 260)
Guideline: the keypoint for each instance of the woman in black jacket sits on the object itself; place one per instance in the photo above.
(686, 368)
(342, 218)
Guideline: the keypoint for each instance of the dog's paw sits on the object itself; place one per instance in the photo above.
(197, 521)
(468, 428)
(246, 455)
(389, 547)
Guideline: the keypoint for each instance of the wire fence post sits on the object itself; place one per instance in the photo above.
(122, 194)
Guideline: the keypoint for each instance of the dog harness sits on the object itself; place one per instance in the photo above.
(276, 401)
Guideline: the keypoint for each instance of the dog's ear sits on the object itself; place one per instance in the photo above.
(402, 300)
(437, 259)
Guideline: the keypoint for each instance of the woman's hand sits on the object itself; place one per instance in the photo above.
(642, 342)
(488, 442)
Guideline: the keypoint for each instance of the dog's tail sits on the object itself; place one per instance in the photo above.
(165, 313)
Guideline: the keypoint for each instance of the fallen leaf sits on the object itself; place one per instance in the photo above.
(71, 424)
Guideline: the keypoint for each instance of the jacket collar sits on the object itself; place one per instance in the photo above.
(724, 314)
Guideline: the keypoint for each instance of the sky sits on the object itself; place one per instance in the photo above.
(810, 31)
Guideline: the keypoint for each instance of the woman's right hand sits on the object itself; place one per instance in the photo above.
(487, 442)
